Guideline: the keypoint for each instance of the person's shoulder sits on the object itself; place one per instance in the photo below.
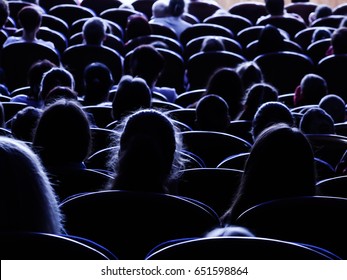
(11, 40)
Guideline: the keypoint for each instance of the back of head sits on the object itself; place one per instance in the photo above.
(98, 81)
(56, 76)
(321, 33)
(270, 39)
(28, 201)
(280, 165)
(335, 106)
(147, 155)
(313, 88)
(160, 9)
(176, 7)
(227, 83)
(4, 12)
(24, 123)
(323, 11)
(147, 62)
(212, 113)
(317, 121)
(271, 113)
(275, 7)
(137, 25)
(339, 40)
(132, 94)
(63, 134)
(29, 18)
(94, 31)
(212, 43)
(250, 73)
(60, 92)
(35, 74)
(256, 95)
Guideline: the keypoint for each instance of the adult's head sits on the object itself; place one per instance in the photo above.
(317, 121)
(146, 62)
(63, 134)
(28, 201)
(212, 113)
(335, 106)
(280, 164)
(339, 40)
(132, 94)
(94, 31)
(270, 113)
(176, 7)
(147, 152)
(29, 18)
(275, 7)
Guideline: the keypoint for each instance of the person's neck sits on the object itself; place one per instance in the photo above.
(29, 36)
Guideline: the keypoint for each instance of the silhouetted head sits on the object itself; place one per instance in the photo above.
(270, 113)
(137, 25)
(28, 201)
(312, 89)
(335, 106)
(339, 40)
(317, 121)
(176, 7)
(275, 7)
(212, 113)
(132, 94)
(29, 18)
(94, 31)
(63, 134)
(147, 156)
(250, 73)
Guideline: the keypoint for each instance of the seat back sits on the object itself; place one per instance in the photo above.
(215, 187)
(44, 246)
(201, 66)
(329, 68)
(318, 50)
(213, 146)
(17, 58)
(335, 186)
(131, 223)
(312, 220)
(201, 9)
(234, 23)
(71, 12)
(251, 10)
(237, 248)
(101, 5)
(303, 9)
(118, 15)
(76, 58)
(102, 115)
(329, 21)
(202, 29)
(276, 66)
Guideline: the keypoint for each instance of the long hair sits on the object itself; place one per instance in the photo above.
(28, 201)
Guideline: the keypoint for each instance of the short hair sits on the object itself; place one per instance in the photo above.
(323, 10)
(275, 7)
(29, 18)
(57, 76)
(60, 92)
(317, 121)
(339, 40)
(94, 30)
(335, 106)
(159, 9)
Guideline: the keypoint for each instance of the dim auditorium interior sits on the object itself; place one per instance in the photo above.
(249, 157)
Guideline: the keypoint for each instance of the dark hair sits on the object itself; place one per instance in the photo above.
(317, 121)
(29, 18)
(176, 7)
(94, 30)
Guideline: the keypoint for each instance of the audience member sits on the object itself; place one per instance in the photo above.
(335, 106)
(28, 200)
(280, 164)
(212, 43)
(256, 95)
(227, 83)
(276, 8)
(311, 90)
(30, 20)
(250, 73)
(338, 41)
(132, 94)
(147, 155)
(94, 31)
(60, 92)
(98, 82)
(270, 40)
(159, 9)
(137, 25)
(63, 137)
(321, 11)
(269, 114)
(317, 121)
(57, 76)
(35, 74)
(320, 34)
(212, 114)
(174, 20)
(147, 63)
(24, 123)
